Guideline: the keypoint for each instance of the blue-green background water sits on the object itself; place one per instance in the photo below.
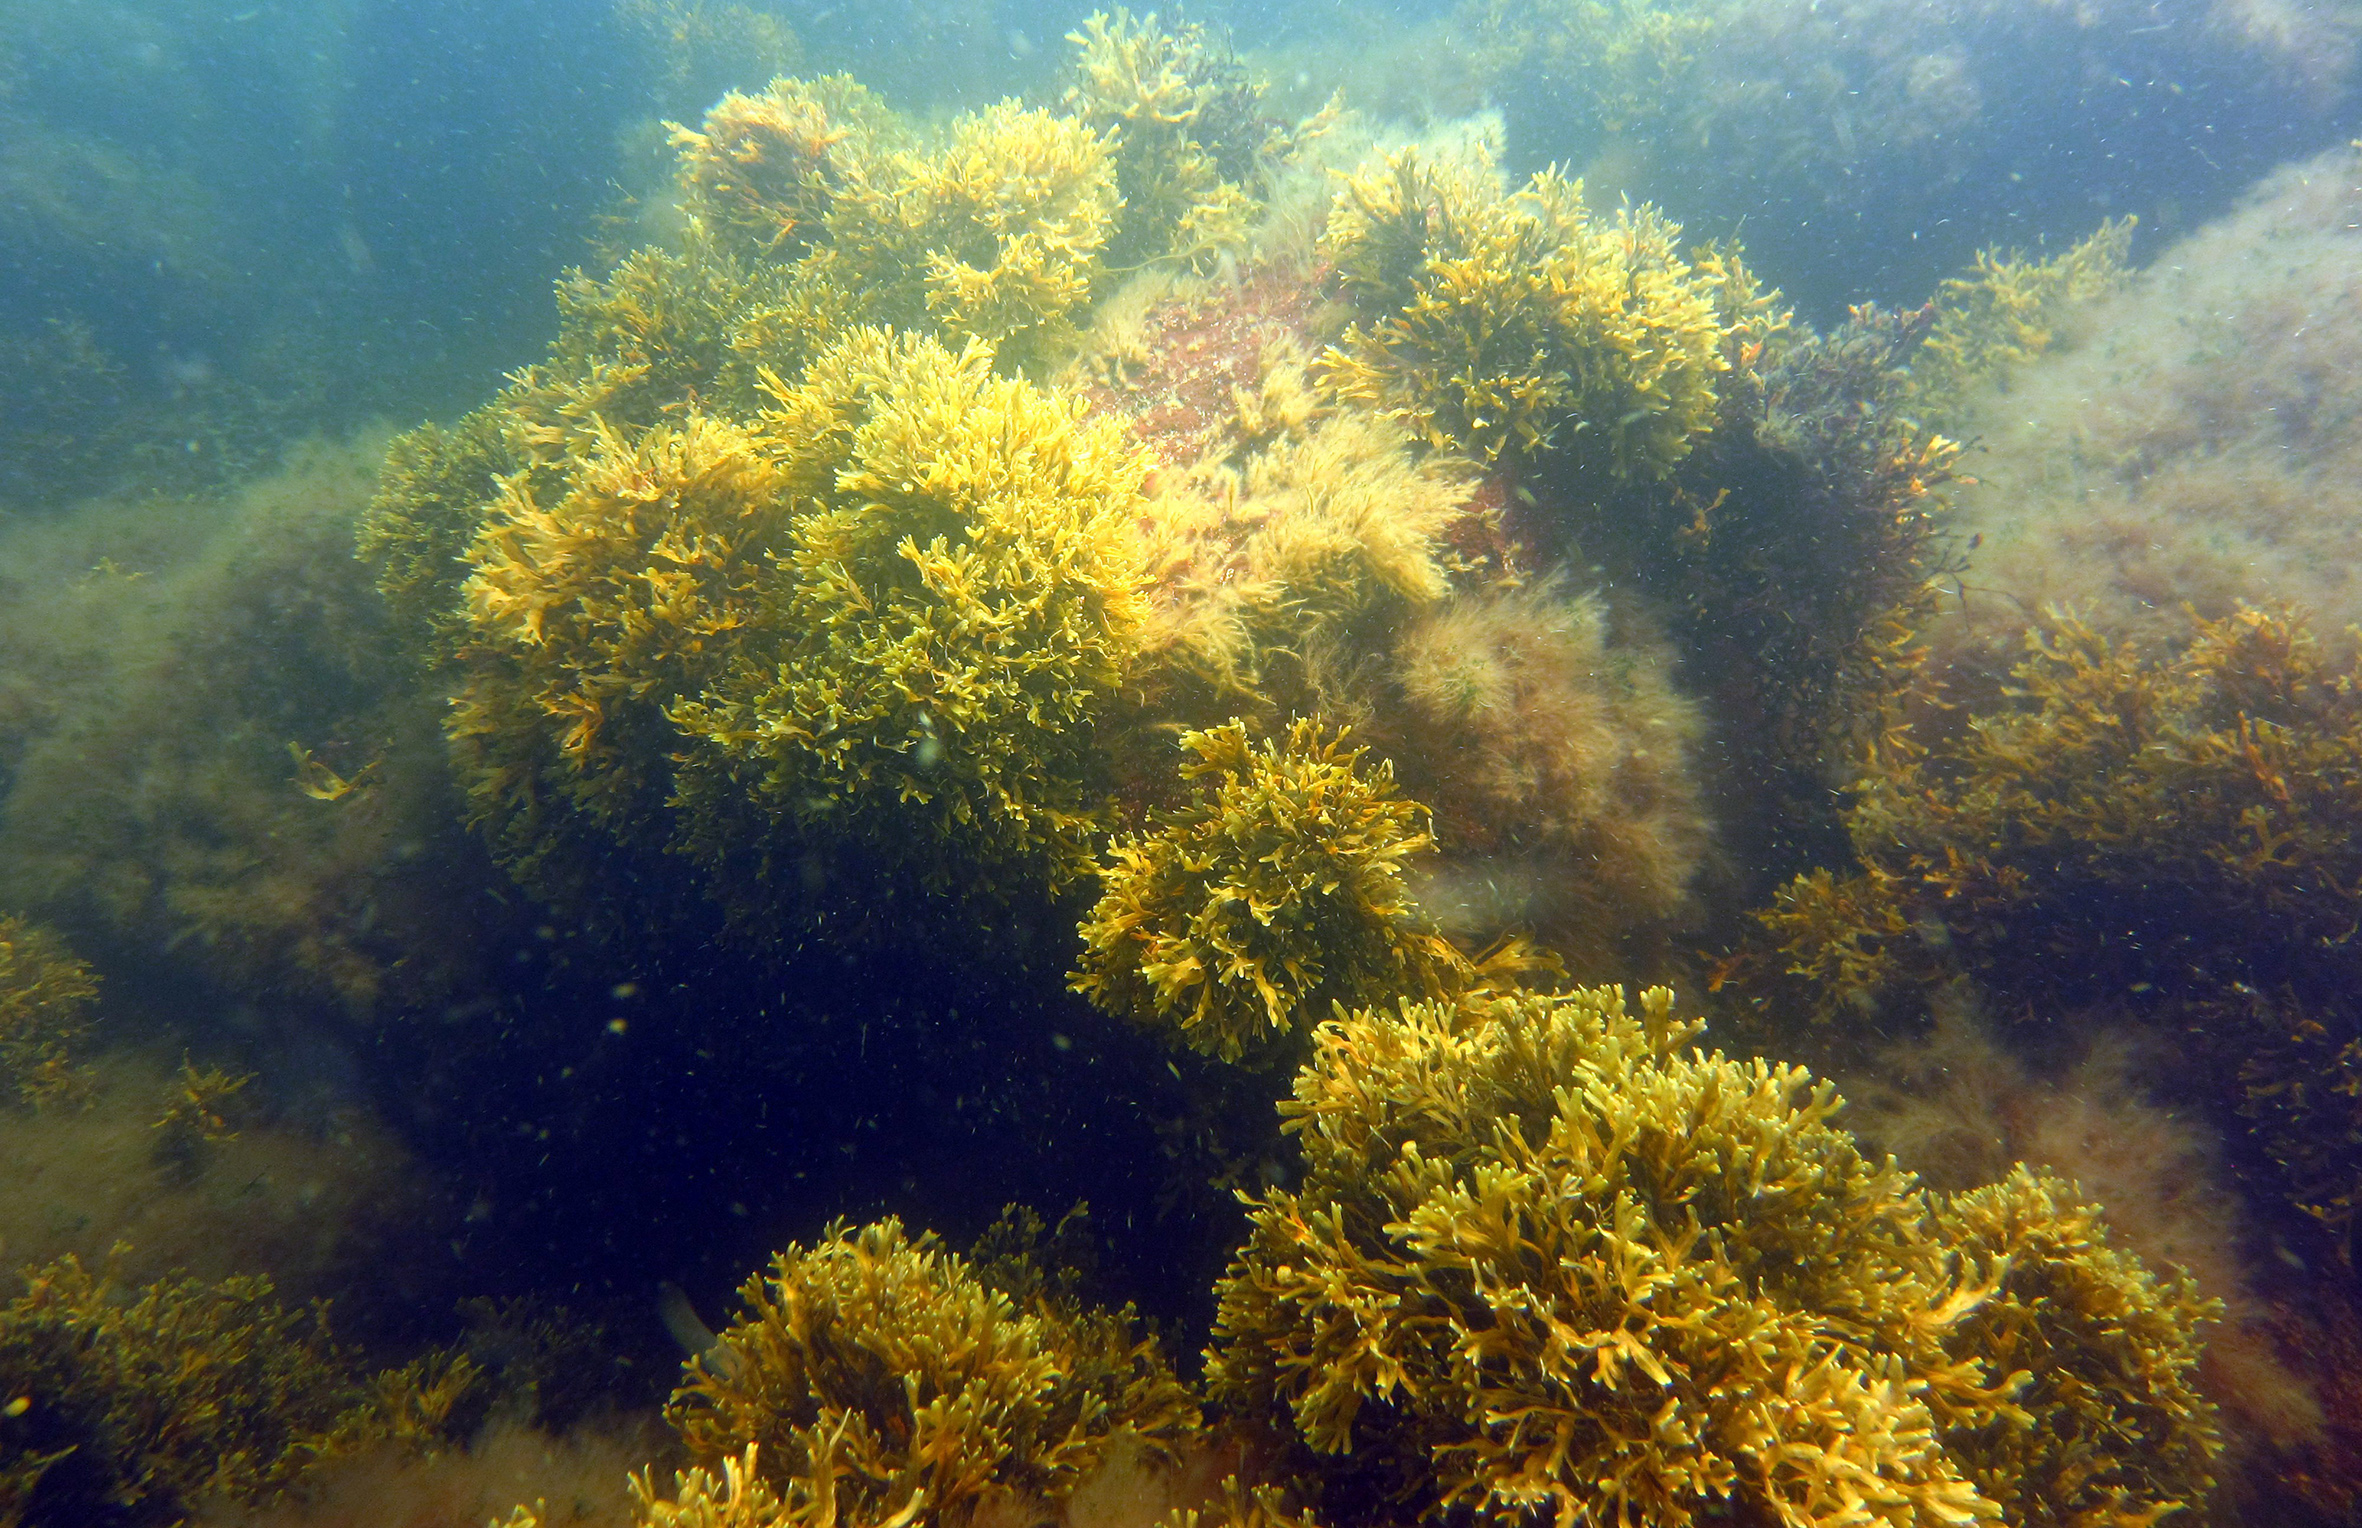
(387, 189)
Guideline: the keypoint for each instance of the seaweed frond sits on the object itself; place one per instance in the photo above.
(1494, 322)
(2006, 313)
(874, 1379)
(1277, 891)
(45, 997)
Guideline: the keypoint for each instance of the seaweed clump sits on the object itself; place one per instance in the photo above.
(1275, 892)
(635, 348)
(809, 215)
(2121, 824)
(130, 1407)
(1494, 322)
(877, 1379)
(45, 998)
(834, 215)
(1544, 1263)
(2006, 313)
(2119, 1432)
(997, 238)
(1273, 577)
(1559, 759)
(606, 563)
(2174, 833)
(761, 176)
(1191, 135)
(1799, 549)
(859, 640)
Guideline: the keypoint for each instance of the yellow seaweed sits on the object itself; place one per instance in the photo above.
(1277, 891)
(1545, 1262)
(182, 1391)
(45, 999)
(1495, 322)
(875, 1378)
(2004, 315)
(2170, 830)
(1191, 135)
(865, 632)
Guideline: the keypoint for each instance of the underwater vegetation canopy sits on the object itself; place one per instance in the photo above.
(1001, 634)
(1277, 891)
(877, 1379)
(1494, 321)
(1544, 1261)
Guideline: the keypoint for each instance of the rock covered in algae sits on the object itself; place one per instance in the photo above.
(2006, 314)
(1310, 557)
(2200, 801)
(876, 1378)
(214, 754)
(1544, 1262)
(2190, 438)
(865, 633)
(2173, 831)
(135, 1406)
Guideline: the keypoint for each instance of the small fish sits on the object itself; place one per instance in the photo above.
(927, 754)
(321, 783)
(688, 1329)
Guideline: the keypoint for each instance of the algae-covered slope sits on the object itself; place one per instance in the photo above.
(2189, 439)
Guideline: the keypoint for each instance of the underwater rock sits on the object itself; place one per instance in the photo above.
(2192, 439)
(212, 753)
